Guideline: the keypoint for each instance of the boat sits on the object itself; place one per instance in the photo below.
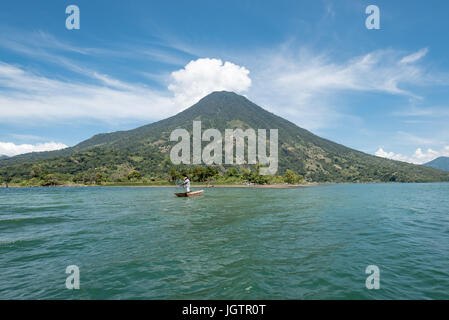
(190, 194)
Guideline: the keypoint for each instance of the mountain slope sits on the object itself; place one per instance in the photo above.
(147, 148)
(441, 163)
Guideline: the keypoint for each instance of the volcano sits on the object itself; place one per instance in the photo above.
(147, 148)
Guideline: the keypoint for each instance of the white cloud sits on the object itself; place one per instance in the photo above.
(299, 85)
(32, 96)
(203, 76)
(391, 155)
(10, 149)
(304, 84)
(418, 157)
(415, 56)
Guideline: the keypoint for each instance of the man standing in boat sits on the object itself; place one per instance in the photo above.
(186, 184)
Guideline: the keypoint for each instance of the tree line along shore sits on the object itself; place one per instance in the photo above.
(199, 175)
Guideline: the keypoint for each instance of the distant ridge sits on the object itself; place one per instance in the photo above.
(441, 163)
(146, 149)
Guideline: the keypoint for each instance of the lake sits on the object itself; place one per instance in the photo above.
(230, 243)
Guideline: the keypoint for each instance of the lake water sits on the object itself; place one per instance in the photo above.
(303, 243)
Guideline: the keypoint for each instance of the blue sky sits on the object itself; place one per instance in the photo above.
(315, 63)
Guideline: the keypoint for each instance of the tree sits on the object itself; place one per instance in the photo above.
(246, 174)
(134, 175)
(290, 177)
(232, 172)
(211, 172)
(173, 174)
(198, 174)
(90, 177)
(50, 180)
(78, 178)
(99, 178)
(36, 171)
(6, 179)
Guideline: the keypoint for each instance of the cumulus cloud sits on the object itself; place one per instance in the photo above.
(27, 95)
(391, 155)
(418, 157)
(203, 76)
(10, 149)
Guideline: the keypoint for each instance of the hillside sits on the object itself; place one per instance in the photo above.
(146, 149)
(441, 163)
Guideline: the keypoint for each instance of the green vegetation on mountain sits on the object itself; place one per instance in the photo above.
(142, 155)
(441, 163)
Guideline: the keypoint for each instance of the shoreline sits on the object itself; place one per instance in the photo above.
(204, 186)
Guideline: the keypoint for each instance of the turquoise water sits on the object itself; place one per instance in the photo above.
(304, 243)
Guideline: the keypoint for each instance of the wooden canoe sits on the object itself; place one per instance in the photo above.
(190, 194)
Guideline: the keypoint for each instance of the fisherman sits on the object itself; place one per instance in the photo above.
(186, 184)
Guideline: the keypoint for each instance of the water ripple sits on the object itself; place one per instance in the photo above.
(306, 243)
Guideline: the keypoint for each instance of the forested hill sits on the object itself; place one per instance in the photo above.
(441, 163)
